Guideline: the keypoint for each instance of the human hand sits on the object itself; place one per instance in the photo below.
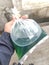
(8, 25)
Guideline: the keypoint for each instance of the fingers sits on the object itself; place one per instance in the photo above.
(24, 17)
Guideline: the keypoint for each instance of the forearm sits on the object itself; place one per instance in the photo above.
(6, 48)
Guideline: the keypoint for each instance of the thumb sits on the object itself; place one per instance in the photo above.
(13, 19)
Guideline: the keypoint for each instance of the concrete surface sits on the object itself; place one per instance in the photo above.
(3, 4)
(40, 56)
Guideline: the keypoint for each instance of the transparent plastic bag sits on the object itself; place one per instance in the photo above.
(25, 34)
